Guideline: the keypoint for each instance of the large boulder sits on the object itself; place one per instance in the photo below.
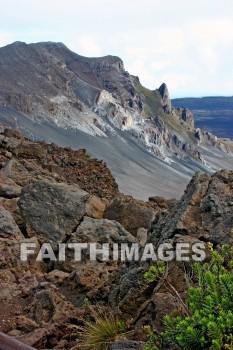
(52, 210)
(102, 231)
(131, 213)
(204, 211)
(96, 277)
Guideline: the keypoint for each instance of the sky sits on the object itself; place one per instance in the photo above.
(186, 44)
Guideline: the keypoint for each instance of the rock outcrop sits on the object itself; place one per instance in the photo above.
(166, 101)
(204, 211)
(186, 116)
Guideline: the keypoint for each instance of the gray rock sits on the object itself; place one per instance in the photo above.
(8, 226)
(96, 277)
(131, 213)
(186, 116)
(52, 210)
(163, 91)
(127, 345)
(203, 212)
(102, 231)
(130, 292)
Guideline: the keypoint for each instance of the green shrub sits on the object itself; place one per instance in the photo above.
(209, 324)
(155, 271)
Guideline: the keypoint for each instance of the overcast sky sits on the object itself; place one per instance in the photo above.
(187, 44)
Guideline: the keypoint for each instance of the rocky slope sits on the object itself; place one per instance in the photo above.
(45, 196)
(25, 161)
(100, 106)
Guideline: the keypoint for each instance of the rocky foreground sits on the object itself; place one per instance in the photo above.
(51, 194)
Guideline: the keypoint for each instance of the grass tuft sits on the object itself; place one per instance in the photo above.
(100, 333)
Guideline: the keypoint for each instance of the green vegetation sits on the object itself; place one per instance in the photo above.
(95, 177)
(152, 103)
(86, 302)
(172, 123)
(155, 271)
(152, 107)
(209, 323)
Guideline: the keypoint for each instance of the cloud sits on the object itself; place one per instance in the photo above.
(159, 65)
(87, 46)
(5, 38)
(178, 81)
(212, 40)
(188, 45)
(194, 57)
(139, 68)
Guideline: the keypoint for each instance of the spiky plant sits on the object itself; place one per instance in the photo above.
(100, 333)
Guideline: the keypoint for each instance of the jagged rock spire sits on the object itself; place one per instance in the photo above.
(163, 90)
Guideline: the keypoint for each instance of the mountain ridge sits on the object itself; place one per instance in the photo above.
(48, 84)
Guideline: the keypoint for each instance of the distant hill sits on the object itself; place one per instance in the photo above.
(210, 113)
